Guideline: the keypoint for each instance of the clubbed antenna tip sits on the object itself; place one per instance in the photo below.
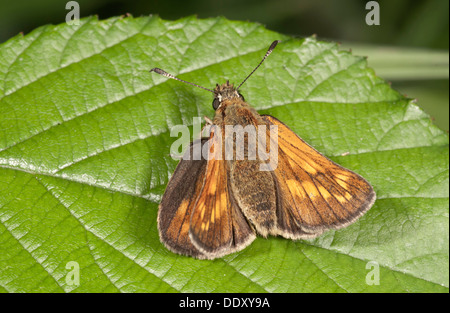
(272, 46)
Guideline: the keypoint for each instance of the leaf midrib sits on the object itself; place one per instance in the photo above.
(152, 195)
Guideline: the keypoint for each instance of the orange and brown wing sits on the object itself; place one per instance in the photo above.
(198, 216)
(178, 201)
(217, 225)
(314, 193)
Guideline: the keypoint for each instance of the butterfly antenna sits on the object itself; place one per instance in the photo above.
(272, 46)
(164, 73)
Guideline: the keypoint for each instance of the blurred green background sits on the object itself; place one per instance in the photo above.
(409, 48)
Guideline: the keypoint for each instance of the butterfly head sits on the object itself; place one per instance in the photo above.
(222, 92)
(225, 92)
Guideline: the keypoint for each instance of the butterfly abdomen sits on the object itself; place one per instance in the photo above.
(257, 201)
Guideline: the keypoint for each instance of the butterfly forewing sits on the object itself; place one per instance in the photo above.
(217, 226)
(318, 193)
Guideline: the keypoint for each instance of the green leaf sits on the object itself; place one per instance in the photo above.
(84, 160)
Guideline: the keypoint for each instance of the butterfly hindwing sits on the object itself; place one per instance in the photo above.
(177, 204)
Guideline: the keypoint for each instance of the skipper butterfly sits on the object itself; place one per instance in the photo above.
(215, 205)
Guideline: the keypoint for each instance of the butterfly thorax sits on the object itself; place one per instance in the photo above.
(231, 108)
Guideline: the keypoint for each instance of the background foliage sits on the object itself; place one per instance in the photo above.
(84, 159)
(409, 48)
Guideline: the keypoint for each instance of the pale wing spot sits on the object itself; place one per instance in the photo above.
(294, 185)
(341, 181)
(310, 189)
(308, 168)
(341, 177)
(324, 193)
(212, 187)
(348, 196)
(297, 191)
(221, 206)
(202, 210)
(300, 196)
(342, 184)
(292, 163)
(205, 226)
(340, 198)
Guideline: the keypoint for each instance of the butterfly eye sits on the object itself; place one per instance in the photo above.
(242, 97)
(216, 103)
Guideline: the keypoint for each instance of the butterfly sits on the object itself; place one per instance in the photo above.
(214, 205)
